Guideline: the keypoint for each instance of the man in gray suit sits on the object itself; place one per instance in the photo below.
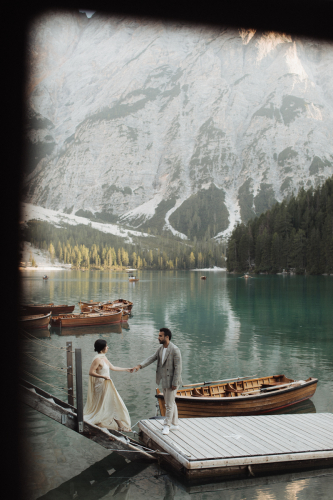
(168, 370)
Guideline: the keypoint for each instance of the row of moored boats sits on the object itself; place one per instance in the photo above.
(92, 314)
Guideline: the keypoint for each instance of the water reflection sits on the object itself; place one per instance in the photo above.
(39, 332)
(113, 478)
(303, 407)
(110, 477)
(225, 327)
(84, 330)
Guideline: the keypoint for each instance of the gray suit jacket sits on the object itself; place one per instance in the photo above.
(170, 372)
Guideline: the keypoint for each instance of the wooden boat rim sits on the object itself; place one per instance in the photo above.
(87, 314)
(38, 305)
(47, 305)
(244, 398)
(34, 317)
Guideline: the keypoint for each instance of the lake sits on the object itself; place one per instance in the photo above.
(225, 327)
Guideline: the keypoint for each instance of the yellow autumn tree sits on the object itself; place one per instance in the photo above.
(192, 259)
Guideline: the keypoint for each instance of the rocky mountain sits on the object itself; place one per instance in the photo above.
(156, 125)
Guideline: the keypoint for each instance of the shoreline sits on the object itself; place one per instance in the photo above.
(46, 268)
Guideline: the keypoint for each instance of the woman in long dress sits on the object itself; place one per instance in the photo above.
(104, 406)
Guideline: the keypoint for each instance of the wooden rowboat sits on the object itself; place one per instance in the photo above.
(88, 319)
(122, 303)
(133, 278)
(106, 307)
(247, 397)
(45, 308)
(203, 277)
(91, 303)
(125, 304)
(35, 321)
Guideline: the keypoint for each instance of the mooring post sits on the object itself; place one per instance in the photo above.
(79, 389)
(70, 368)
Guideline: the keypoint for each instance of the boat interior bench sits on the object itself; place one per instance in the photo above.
(235, 389)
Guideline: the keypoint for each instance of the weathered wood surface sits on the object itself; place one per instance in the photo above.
(70, 372)
(231, 444)
(45, 308)
(87, 319)
(79, 389)
(66, 415)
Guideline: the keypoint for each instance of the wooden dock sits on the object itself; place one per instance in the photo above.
(67, 415)
(243, 446)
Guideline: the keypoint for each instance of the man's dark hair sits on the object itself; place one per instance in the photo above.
(167, 332)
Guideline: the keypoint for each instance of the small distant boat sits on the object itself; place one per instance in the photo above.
(130, 270)
(133, 278)
(203, 277)
(246, 276)
(35, 321)
(88, 319)
(45, 308)
(241, 397)
(45, 277)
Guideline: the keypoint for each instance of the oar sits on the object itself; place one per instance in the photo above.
(276, 387)
(220, 381)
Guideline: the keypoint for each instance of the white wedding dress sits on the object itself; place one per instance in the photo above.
(104, 406)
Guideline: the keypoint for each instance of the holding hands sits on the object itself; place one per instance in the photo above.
(135, 369)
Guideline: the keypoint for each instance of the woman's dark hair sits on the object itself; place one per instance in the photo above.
(99, 345)
(167, 332)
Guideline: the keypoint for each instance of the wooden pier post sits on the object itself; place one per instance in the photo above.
(79, 388)
(70, 368)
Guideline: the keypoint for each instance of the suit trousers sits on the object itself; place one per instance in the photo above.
(171, 416)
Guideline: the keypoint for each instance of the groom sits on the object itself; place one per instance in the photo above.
(169, 369)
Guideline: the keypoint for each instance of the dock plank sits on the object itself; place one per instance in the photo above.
(288, 439)
(322, 431)
(185, 438)
(185, 435)
(206, 444)
(189, 450)
(234, 446)
(325, 428)
(293, 431)
(277, 443)
(273, 443)
(225, 448)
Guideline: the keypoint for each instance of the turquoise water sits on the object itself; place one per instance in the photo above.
(225, 327)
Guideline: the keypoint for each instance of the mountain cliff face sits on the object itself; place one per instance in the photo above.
(156, 125)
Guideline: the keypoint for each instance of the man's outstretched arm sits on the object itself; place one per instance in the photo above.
(146, 362)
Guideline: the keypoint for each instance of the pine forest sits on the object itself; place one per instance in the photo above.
(85, 247)
(294, 235)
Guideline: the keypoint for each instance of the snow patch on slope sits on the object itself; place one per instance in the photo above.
(147, 209)
(168, 225)
(231, 202)
(55, 217)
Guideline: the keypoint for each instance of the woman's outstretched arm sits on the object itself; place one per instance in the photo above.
(117, 368)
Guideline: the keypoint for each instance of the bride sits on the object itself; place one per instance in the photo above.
(104, 406)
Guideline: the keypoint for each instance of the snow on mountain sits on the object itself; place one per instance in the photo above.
(58, 219)
(159, 125)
